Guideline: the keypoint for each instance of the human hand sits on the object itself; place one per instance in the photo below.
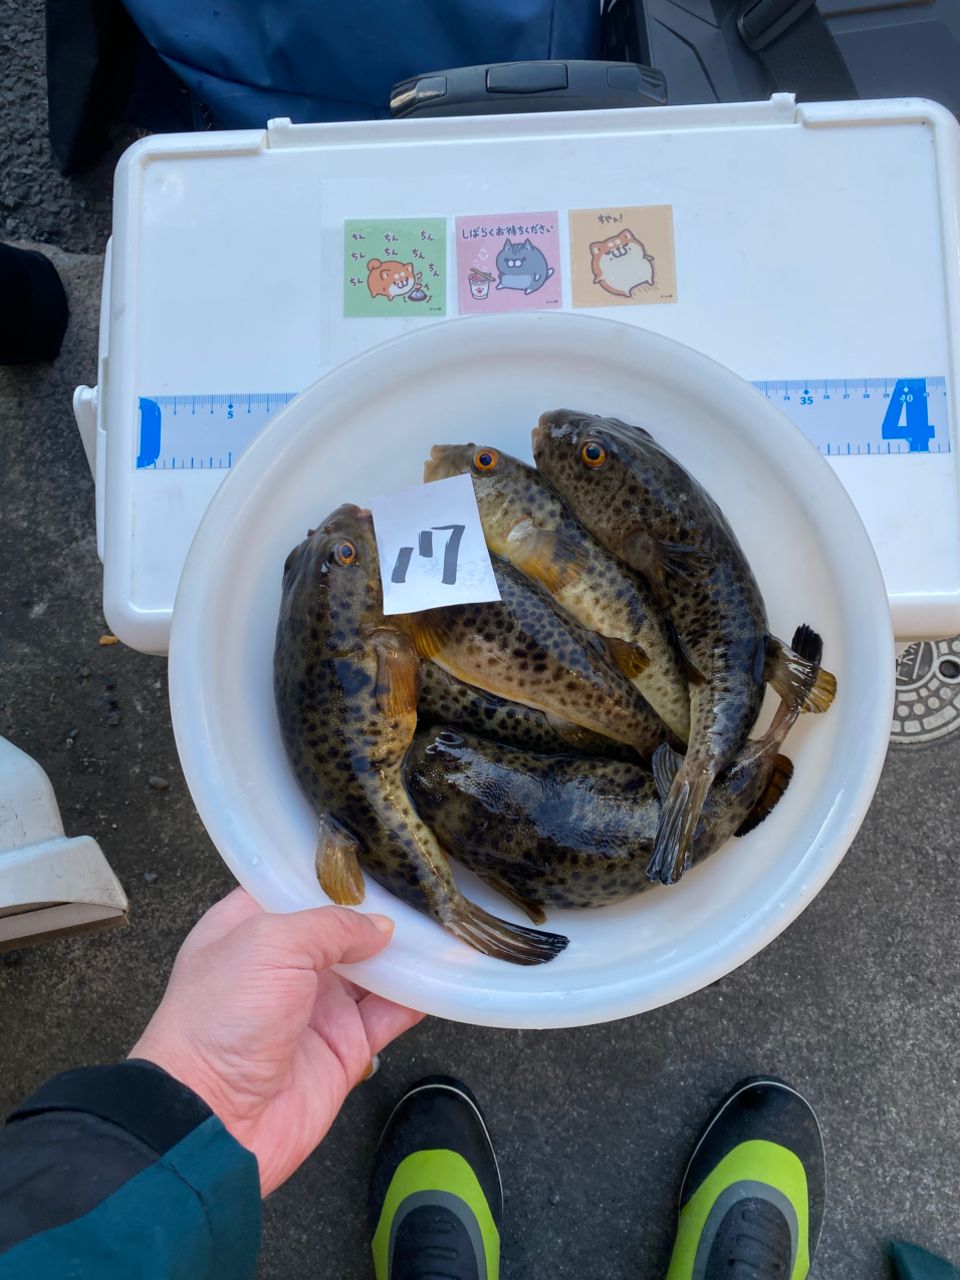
(253, 1021)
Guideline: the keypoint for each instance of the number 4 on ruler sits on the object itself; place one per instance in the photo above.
(906, 417)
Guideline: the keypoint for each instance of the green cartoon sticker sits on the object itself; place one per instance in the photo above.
(395, 267)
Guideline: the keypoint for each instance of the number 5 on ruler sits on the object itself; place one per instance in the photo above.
(909, 402)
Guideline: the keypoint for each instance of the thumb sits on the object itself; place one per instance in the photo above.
(319, 938)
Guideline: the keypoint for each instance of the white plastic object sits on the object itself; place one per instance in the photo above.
(812, 241)
(371, 423)
(50, 885)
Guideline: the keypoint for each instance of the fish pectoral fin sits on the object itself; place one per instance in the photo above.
(546, 556)
(769, 797)
(398, 674)
(662, 562)
(338, 866)
(665, 766)
(527, 905)
(795, 673)
(693, 673)
(629, 658)
(428, 632)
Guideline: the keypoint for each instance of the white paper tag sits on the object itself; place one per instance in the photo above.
(431, 547)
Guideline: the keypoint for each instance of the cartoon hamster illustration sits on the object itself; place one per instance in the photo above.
(522, 266)
(391, 279)
(621, 264)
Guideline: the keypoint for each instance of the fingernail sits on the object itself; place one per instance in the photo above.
(383, 923)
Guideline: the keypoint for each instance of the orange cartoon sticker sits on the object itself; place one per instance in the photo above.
(622, 256)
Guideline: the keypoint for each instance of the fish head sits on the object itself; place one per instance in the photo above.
(508, 491)
(335, 572)
(589, 456)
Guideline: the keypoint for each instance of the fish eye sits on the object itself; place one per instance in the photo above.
(593, 453)
(345, 553)
(486, 459)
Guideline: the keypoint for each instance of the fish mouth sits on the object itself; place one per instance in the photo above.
(556, 423)
(442, 463)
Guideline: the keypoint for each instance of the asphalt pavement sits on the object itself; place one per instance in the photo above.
(856, 1003)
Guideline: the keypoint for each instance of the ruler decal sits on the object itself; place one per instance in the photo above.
(202, 432)
(842, 417)
(866, 416)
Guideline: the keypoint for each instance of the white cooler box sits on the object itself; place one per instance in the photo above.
(813, 249)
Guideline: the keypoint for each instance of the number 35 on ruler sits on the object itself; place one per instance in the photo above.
(431, 547)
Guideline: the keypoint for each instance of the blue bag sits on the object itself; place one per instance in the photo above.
(247, 61)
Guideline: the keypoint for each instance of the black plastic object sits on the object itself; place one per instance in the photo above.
(572, 85)
(797, 49)
(892, 48)
(33, 318)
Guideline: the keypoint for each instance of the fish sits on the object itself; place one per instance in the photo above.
(646, 508)
(346, 683)
(527, 523)
(525, 649)
(555, 832)
(445, 700)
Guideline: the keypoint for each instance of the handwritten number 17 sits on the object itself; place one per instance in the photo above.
(451, 553)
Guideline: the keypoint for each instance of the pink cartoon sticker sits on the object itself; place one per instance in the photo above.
(508, 262)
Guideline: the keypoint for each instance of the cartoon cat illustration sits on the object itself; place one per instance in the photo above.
(621, 264)
(390, 279)
(522, 266)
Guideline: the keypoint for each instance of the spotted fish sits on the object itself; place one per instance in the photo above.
(527, 523)
(647, 509)
(346, 683)
(554, 831)
(446, 700)
(525, 649)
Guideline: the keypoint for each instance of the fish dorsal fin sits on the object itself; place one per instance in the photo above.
(546, 555)
(338, 867)
(630, 658)
(398, 673)
(665, 765)
(769, 797)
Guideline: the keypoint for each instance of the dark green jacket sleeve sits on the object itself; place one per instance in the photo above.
(123, 1172)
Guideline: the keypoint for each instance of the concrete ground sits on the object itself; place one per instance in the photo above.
(858, 1003)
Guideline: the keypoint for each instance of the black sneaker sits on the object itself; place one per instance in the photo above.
(436, 1201)
(751, 1204)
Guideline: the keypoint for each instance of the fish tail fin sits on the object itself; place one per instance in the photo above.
(673, 845)
(500, 939)
(795, 671)
(770, 797)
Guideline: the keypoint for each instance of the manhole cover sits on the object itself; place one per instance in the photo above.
(928, 692)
